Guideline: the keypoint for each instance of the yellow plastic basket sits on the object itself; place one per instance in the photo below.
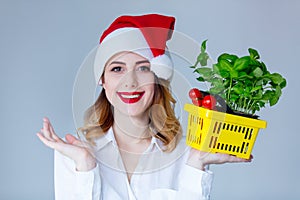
(213, 131)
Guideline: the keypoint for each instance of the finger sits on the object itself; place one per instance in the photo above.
(79, 143)
(71, 139)
(75, 141)
(237, 159)
(51, 129)
(46, 130)
(69, 150)
(61, 147)
(44, 133)
(45, 140)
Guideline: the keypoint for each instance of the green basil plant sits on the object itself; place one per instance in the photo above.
(244, 83)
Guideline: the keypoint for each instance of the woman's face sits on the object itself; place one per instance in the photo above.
(129, 83)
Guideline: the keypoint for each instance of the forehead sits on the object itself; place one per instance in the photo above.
(127, 57)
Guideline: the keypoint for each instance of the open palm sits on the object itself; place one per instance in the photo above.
(73, 148)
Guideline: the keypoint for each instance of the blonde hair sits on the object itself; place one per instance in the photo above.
(99, 117)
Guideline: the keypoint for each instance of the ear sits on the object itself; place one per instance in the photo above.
(101, 82)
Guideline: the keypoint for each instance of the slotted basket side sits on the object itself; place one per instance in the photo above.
(213, 131)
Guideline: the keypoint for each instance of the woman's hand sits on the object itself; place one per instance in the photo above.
(72, 147)
(200, 159)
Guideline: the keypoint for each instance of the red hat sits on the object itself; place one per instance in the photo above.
(145, 35)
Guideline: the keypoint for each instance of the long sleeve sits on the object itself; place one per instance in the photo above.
(74, 185)
(194, 184)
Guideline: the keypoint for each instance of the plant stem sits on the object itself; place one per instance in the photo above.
(248, 105)
(245, 104)
(254, 101)
(229, 90)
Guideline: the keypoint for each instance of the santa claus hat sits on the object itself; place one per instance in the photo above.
(145, 35)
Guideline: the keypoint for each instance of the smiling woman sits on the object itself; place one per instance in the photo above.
(134, 147)
(135, 94)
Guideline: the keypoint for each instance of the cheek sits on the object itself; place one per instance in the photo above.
(150, 93)
(109, 82)
(109, 91)
(146, 80)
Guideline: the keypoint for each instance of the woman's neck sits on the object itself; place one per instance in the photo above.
(131, 129)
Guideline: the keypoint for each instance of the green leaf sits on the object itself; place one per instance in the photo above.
(268, 95)
(226, 83)
(203, 46)
(218, 83)
(215, 68)
(216, 90)
(202, 58)
(224, 65)
(244, 75)
(234, 74)
(234, 97)
(247, 94)
(248, 82)
(274, 99)
(276, 78)
(259, 82)
(264, 68)
(224, 74)
(229, 57)
(255, 63)
(259, 87)
(241, 63)
(283, 83)
(261, 104)
(257, 72)
(201, 79)
(258, 95)
(238, 90)
(253, 53)
(205, 71)
(278, 91)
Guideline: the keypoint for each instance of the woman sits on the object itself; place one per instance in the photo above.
(133, 147)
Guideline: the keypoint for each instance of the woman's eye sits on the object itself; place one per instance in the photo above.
(116, 69)
(144, 68)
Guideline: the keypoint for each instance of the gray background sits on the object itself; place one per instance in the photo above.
(43, 43)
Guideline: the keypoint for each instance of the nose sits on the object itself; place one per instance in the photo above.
(130, 80)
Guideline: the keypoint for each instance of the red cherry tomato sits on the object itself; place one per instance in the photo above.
(197, 102)
(209, 102)
(195, 94)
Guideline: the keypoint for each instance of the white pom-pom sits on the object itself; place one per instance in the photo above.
(162, 66)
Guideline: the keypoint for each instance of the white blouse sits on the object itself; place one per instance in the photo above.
(158, 175)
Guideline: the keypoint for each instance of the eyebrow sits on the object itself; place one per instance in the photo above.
(117, 62)
(142, 61)
(122, 63)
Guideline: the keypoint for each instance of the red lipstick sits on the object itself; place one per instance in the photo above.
(130, 97)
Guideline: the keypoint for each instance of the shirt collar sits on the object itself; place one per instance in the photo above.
(109, 137)
(158, 143)
(105, 139)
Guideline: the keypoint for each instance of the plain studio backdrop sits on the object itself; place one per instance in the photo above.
(43, 44)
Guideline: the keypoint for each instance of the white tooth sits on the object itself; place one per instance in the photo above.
(130, 96)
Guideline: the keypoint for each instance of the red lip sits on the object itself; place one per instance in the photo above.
(130, 97)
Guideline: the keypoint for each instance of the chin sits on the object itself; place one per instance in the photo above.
(136, 110)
